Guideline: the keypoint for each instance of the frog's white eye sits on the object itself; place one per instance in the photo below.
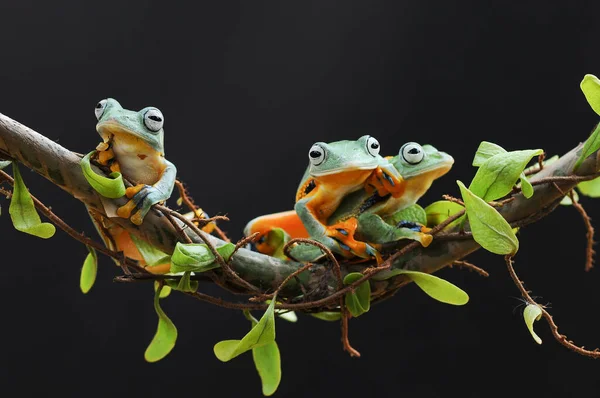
(373, 146)
(154, 119)
(412, 153)
(100, 107)
(316, 155)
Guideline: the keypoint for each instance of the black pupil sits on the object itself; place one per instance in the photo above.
(99, 105)
(314, 154)
(155, 118)
(414, 151)
(374, 145)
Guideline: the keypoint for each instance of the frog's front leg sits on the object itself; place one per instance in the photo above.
(372, 228)
(385, 179)
(143, 197)
(339, 237)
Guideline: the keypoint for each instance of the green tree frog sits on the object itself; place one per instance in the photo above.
(133, 144)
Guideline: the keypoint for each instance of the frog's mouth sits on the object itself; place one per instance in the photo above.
(347, 168)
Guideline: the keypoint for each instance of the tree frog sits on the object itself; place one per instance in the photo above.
(418, 165)
(335, 170)
(133, 144)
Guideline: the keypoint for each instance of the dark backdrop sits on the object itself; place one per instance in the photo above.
(246, 87)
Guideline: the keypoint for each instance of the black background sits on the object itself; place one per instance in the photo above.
(246, 88)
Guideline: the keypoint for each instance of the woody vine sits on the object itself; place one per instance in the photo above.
(503, 198)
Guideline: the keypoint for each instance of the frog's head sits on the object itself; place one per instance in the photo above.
(424, 163)
(341, 156)
(145, 125)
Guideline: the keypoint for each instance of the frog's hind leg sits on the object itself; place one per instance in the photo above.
(372, 228)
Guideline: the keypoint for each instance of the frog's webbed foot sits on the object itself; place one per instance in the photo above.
(415, 231)
(384, 183)
(341, 239)
(142, 197)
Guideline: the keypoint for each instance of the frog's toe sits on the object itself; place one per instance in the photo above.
(138, 217)
(132, 192)
(125, 210)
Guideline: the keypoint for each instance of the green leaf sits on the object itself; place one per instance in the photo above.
(112, 187)
(485, 151)
(566, 200)
(88, 271)
(437, 288)
(526, 186)
(185, 284)
(498, 174)
(414, 213)
(489, 228)
(330, 316)
(268, 364)
(22, 210)
(590, 85)
(277, 238)
(152, 256)
(530, 314)
(262, 333)
(590, 188)
(591, 145)
(196, 257)
(166, 290)
(359, 301)
(289, 316)
(439, 211)
(165, 337)
(4, 163)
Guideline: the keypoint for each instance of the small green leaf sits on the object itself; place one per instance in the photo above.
(526, 186)
(88, 271)
(437, 288)
(591, 145)
(489, 228)
(289, 316)
(590, 85)
(152, 256)
(262, 333)
(4, 163)
(165, 337)
(268, 364)
(166, 290)
(277, 238)
(22, 210)
(485, 151)
(196, 257)
(414, 213)
(330, 316)
(498, 174)
(439, 211)
(566, 200)
(185, 284)
(359, 301)
(532, 313)
(590, 188)
(112, 187)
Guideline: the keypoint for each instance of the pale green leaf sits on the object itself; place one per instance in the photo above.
(262, 333)
(358, 301)
(497, 175)
(268, 364)
(591, 145)
(414, 213)
(566, 200)
(22, 210)
(4, 163)
(485, 151)
(196, 257)
(165, 337)
(112, 187)
(526, 186)
(439, 211)
(166, 290)
(590, 188)
(289, 316)
(330, 316)
(437, 288)
(88, 271)
(185, 284)
(590, 85)
(151, 255)
(489, 228)
(532, 313)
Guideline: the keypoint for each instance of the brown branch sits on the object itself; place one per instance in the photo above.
(561, 338)
(470, 267)
(589, 252)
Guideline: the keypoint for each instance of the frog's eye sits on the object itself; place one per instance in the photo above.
(373, 146)
(154, 119)
(316, 155)
(412, 153)
(100, 107)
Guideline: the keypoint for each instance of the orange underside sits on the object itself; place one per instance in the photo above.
(125, 244)
(286, 220)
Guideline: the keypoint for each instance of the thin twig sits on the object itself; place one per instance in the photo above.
(471, 267)
(561, 338)
(589, 252)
